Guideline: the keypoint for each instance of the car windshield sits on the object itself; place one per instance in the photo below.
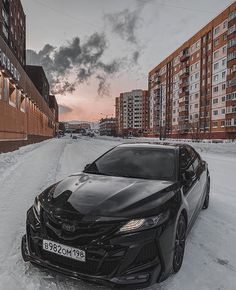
(136, 162)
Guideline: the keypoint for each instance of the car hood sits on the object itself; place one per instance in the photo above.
(109, 196)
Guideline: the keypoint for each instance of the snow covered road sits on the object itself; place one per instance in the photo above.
(210, 260)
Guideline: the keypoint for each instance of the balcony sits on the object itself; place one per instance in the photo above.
(184, 57)
(184, 93)
(184, 84)
(185, 72)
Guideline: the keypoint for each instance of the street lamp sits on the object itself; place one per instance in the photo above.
(160, 114)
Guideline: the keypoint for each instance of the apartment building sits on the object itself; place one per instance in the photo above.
(26, 114)
(193, 91)
(12, 18)
(132, 113)
(107, 127)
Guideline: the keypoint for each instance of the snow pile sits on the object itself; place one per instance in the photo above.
(210, 260)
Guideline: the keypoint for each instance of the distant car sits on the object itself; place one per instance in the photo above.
(74, 137)
(124, 219)
(90, 134)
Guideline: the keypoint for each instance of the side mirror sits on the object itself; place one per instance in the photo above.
(189, 175)
(204, 165)
(87, 166)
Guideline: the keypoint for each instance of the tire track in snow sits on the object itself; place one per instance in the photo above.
(12, 194)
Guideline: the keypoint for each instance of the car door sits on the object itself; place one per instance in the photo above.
(200, 172)
(189, 180)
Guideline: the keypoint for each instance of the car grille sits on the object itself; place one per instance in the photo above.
(102, 258)
(84, 232)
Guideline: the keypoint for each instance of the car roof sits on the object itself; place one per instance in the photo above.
(160, 145)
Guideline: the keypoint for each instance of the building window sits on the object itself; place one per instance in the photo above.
(5, 30)
(222, 111)
(232, 55)
(215, 124)
(216, 66)
(228, 122)
(225, 24)
(216, 42)
(217, 30)
(215, 112)
(224, 75)
(224, 62)
(6, 89)
(216, 54)
(223, 87)
(12, 95)
(231, 42)
(224, 49)
(215, 89)
(216, 78)
(231, 29)
(223, 99)
(232, 15)
(22, 102)
(1, 86)
(215, 101)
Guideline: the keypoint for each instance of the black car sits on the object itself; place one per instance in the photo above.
(122, 221)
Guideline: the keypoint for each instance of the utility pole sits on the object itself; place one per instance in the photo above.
(160, 114)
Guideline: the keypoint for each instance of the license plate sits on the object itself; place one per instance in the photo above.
(64, 251)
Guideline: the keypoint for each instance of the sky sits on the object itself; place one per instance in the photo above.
(92, 50)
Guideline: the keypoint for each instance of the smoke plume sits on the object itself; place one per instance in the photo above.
(75, 63)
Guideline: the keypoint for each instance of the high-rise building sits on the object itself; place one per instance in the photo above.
(193, 91)
(38, 77)
(13, 31)
(27, 114)
(107, 127)
(132, 113)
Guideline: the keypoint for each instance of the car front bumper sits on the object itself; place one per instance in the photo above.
(130, 260)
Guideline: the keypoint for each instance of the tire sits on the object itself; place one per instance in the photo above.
(207, 198)
(180, 239)
(24, 249)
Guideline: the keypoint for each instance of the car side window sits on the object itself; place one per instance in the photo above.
(196, 160)
(185, 161)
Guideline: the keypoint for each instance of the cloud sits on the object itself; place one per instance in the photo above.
(125, 23)
(103, 87)
(63, 109)
(136, 56)
(75, 63)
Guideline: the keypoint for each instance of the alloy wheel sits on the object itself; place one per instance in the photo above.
(179, 244)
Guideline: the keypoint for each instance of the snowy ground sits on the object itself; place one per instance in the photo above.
(210, 260)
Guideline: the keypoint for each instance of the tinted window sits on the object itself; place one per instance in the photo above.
(195, 159)
(137, 162)
(185, 158)
(186, 162)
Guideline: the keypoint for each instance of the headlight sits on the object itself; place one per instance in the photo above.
(37, 207)
(144, 223)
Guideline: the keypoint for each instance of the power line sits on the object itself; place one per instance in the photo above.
(186, 8)
(71, 17)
